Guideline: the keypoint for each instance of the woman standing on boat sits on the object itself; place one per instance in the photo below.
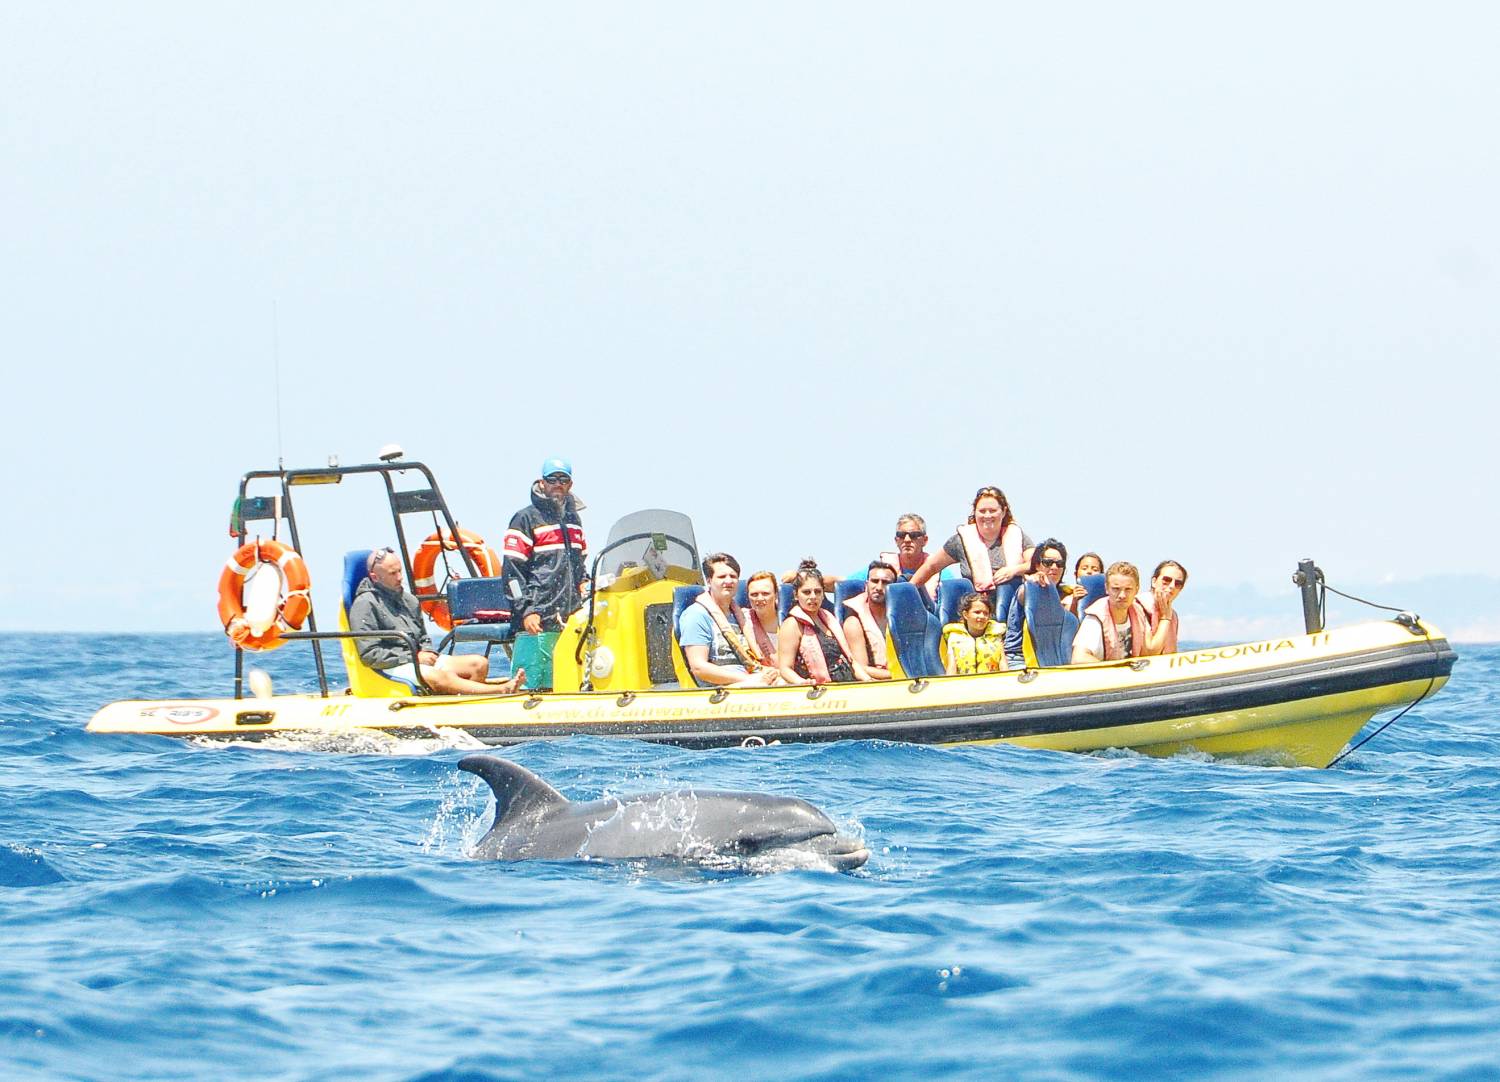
(811, 648)
(990, 549)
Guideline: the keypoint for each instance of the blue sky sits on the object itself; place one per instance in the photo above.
(1219, 285)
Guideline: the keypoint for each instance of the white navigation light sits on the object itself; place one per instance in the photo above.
(390, 452)
(602, 663)
(260, 683)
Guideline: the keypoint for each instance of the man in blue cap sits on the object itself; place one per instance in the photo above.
(545, 562)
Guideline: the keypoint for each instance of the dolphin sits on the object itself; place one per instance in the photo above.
(533, 821)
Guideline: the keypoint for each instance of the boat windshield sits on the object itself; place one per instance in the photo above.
(652, 538)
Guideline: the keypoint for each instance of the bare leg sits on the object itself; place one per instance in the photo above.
(448, 681)
(468, 666)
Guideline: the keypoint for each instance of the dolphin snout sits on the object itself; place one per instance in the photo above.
(843, 853)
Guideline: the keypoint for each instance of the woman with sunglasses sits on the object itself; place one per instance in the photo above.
(990, 549)
(1048, 562)
(1167, 582)
(810, 646)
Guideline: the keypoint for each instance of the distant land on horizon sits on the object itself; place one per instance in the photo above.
(1466, 608)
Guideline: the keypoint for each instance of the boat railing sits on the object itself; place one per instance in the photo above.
(409, 641)
(425, 499)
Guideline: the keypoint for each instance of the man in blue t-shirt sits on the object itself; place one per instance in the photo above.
(713, 642)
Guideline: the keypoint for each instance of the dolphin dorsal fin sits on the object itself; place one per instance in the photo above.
(517, 790)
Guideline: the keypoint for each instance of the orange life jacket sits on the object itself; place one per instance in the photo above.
(764, 640)
(1140, 628)
(811, 649)
(874, 634)
(981, 571)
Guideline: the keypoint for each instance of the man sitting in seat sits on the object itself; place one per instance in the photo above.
(1116, 626)
(381, 604)
(717, 650)
(865, 626)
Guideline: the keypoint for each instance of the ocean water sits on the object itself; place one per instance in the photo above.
(176, 911)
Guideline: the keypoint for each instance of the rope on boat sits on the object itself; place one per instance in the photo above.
(1362, 601)
(1351, 749)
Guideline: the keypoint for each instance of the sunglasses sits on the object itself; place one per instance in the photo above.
(909, 535)
(558, 479)
(1048, 562)
(1170, 581)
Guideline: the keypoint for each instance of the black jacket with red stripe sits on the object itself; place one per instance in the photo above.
(544, 561)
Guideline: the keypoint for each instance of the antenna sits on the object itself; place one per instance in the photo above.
(276, 368)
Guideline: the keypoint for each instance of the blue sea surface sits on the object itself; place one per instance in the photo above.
(182, 911)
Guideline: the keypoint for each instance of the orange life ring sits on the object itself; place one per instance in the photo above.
(296, 602)
(425, 562)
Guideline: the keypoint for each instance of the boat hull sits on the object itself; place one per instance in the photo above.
(1297, 700)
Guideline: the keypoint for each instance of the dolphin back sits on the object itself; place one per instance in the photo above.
(688, 823)
(518, 792)
(533, 821)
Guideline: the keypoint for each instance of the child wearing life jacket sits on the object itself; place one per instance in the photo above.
(976, 643)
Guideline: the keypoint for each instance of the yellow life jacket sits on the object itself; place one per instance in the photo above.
(974, 654)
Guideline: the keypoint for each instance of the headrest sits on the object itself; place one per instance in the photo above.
(785, 598)
(1052, 627)
(682, 597)
(950, 593)
(742, 595)
(1043, 606)
(904, 611)
(1093, 586)
(356, 570)
(843, 590)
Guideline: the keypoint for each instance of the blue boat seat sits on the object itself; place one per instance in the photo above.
(843, 590)
(909, 622)
(1093, 587)
(480, 611)
(742, 595)
(951, 593)
(363, 680)
(682, 597)
(785, 598)
(1050, 626)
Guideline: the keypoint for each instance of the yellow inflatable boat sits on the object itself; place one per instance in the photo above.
(618, 673)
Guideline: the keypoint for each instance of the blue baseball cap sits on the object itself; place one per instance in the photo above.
(556, 465)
